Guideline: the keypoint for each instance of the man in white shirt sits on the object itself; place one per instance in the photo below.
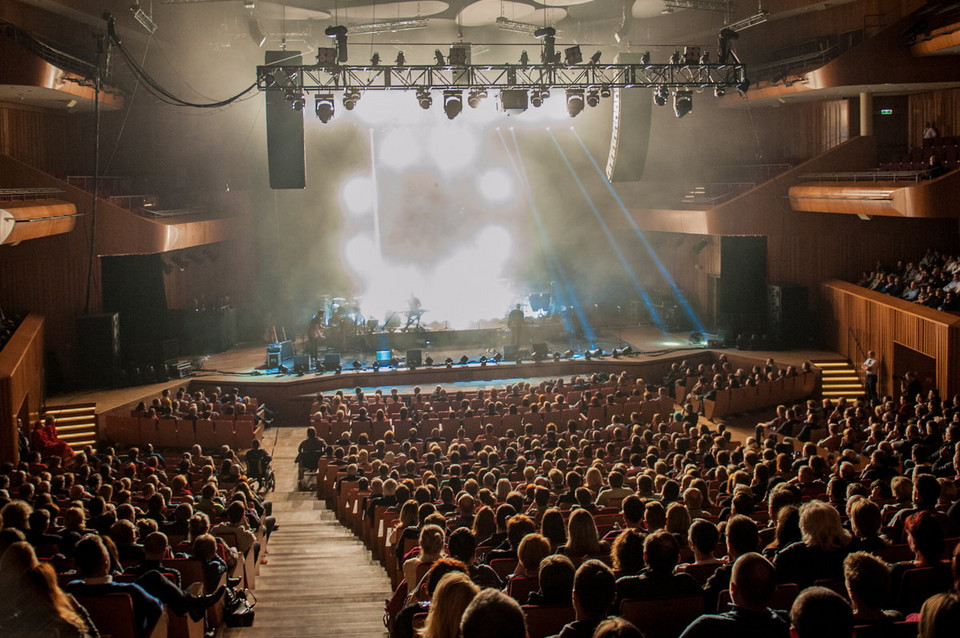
(871, 371)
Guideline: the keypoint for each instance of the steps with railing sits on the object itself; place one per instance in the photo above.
(76, 423)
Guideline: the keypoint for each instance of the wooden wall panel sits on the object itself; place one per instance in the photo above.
(940, 107)
(230, 275)
(876, 322)
(46, 139)
(21, 375)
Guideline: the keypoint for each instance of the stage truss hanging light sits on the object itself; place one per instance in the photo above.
(424, 99)
(324, 107)
(682, 103)
(452, 103)
(574, 102)
(350, 98)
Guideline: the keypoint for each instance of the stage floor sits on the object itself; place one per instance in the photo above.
(243, 364)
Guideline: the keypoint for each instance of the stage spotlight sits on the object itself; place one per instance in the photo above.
(696, 338)
(283, 369)
(452, 103)
(574, 102)
(568, 354)
(464, 360)
(376, 366)
(605, 92)
(357, 365)
(645, 58)
(339, 34)
(587, 355)
(300, 369)
(474, 97)
(595, 58)
(401, 59)
(535, 98)
(572, 55)
(339, 369)
(429, 362)
(296, 101)
(596, 354)
(719, 91)
(483, 361)
(626, 351)
(705, 57)
(660, 96)
(497, 358)
(350, 98)
(556, 357)
(615, 353)
(324, 107)
(682, 102)
(524, 58)
(449, 362)
(593, 98)
(675, 57)
(743, 86)
(438, 56)
(375, 60)
(424, 99)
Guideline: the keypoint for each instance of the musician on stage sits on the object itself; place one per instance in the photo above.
(315, 333)
(515, 324)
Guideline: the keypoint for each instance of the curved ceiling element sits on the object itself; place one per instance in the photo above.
(392, 10)
(486, 12)
(561, 3)
(546, 17)
(274, 11)
(649, 8)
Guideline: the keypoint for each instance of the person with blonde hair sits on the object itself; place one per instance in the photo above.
(940, 616)
(820, 552)
(450, 599)
(583, 540)
(431, 549)
(533, 549)
(33, 603)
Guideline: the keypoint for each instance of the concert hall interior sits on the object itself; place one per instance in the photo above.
(300, 197)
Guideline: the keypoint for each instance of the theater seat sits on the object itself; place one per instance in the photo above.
(113, 616)
(662, 618)
(543, 621)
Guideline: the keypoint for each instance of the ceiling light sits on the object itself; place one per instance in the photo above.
(350, 98)
(660, 95)
(474, 97)
(516, 27)
(424, 99)
(593, 97)
(682, 103)
(389, 26)
(574, 102)
(514, 101)
(324, 107)
(452, 103)
(145, 20)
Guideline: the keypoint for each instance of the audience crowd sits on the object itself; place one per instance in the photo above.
(932, 281)
(97, 522)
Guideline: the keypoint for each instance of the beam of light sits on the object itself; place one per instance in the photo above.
(684, 303)
(654, 315)
(374, 192)
(568, 295)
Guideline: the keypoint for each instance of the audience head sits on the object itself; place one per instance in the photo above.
(533, 549)
(431, 542)
(617, 627)
(819, 612)
(752, 582)
(594, 588)
(556, 579)
(493, 614)
(867, 579)
(822, 527)
(453, 594)
(661, 551)
(925, 536)
(940, 616)
(627, 552)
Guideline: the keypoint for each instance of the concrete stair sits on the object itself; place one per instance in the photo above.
(76, 423)
(840, 379)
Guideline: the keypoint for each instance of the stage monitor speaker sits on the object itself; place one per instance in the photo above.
(630, 135)
(331, 361)
(100, 346)
(302, 360)
(273, 359)
(414, 358)
(285, 154)
(540, 350)
(510, 352)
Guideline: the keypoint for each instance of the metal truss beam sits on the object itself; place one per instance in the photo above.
(498, 77)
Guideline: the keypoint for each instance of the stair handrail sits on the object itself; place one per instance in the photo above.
(861, 353)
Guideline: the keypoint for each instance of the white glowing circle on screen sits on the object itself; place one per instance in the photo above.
(361, 256)
(357, 194)
(496, 185)
(496, 244)
(400, 149)
(453, 147)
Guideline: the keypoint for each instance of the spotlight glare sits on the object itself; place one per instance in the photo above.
(495, 185)
(358, 194)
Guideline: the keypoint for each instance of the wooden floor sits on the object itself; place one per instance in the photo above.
(319, 579)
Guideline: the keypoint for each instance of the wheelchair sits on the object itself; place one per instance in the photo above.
(262, 477)
(307, 474)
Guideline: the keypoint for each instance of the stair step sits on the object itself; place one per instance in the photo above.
(838, 379)
(830, 364)
(76, 427)
(58, 410)
(71, 437)
(842, 386)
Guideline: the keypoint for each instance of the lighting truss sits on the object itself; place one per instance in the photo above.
(314, 78)
(389, 26)
(704, 5)
(517, 27)
(752, 21)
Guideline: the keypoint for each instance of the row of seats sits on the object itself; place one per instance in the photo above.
(182, 433)
(737, 400)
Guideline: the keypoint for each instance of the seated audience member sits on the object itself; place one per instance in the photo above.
(93, 566)
(751, 589)
(940, 616)
(583, 540)
(431, 549)
(627, 553)
(493, 614)
(661, 552)
(866, 522)
(703, 537)
(594, 589)
(819, 612)
(533, 549)
(451, 597)
(556, 582)
(742, 537)
(820, 552)
(518, 526)
(867, 579)
(614, 494)
(462, 545)
(617, 627)
(235, 524)
(786, 532)
(926, 496)
(925, 538)
(32, 603)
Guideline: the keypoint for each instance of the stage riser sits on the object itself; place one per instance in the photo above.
(484, 337)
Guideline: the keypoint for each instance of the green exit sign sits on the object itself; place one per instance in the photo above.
(886, 111)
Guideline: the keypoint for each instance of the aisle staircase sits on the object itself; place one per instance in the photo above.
(839, 379)
(76, 423)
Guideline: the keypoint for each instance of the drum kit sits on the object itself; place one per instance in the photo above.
(340, 318)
